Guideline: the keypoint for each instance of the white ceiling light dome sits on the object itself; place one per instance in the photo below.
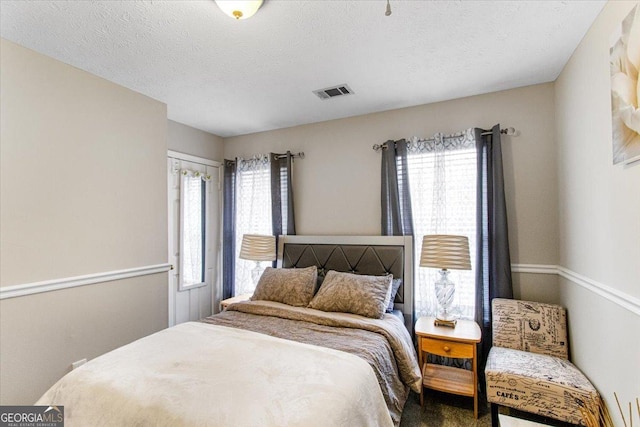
(239, 9)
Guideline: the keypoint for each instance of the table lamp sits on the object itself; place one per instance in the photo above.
(256, 247)
(446, 252)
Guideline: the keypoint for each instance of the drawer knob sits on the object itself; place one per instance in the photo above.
(446, 348)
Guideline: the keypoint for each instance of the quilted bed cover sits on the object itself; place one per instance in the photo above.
(199, 374)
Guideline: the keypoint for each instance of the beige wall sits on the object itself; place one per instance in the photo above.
(83, 190)
(599, 218)
(536, 287)
(188, 140)
(42, 334)
(69, 139)
(337, 185)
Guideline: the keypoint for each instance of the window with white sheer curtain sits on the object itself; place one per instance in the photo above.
(442, 179)
(192, 244)
(253, 212)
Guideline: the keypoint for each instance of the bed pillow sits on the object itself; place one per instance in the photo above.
(395, 285)
(354, 293)
(292, 286)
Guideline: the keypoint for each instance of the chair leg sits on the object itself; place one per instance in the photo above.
(494, 415)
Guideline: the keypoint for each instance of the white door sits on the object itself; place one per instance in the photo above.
(196, 280)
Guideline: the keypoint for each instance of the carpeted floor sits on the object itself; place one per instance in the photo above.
(449, 410)
(444, 410)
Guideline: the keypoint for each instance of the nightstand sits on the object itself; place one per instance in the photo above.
(458, 342)
(238, 298)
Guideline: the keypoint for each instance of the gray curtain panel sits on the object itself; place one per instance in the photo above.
(282, 210)
(493, 271)
(229, 229)
(395, 198)
(397, 219)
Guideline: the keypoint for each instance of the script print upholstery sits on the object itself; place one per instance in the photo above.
(545, 385)
(530, 326)
(527, 368)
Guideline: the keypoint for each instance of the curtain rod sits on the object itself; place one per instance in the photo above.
(506, 131)
(278, 156)
(299, 155)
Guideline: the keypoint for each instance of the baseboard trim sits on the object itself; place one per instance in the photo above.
(622, 299)
(72, 282)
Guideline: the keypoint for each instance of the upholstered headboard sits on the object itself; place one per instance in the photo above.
(371, 255)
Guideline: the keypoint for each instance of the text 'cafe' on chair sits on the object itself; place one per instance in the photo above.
(528, 367)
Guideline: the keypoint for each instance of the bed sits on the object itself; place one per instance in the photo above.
(270, 361)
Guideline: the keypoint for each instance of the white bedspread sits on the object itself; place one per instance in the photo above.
(197, 374)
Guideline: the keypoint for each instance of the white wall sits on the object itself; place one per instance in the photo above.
(188, 140)
(599, 219)
(83, 190)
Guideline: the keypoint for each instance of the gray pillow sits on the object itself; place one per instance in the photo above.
(395, 285)
(292, 286)
(354, 293)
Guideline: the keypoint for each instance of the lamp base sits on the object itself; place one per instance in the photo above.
(445, 290)
(256, 272)
(448, 323)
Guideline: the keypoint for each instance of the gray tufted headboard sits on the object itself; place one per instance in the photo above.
(372, 255)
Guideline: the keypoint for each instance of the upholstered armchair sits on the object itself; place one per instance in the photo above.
(528, 367)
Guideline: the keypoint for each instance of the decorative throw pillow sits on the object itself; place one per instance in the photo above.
(395, 285)
(354, 293)
(292, 286)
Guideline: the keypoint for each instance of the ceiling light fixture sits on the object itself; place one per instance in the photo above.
(239, 9)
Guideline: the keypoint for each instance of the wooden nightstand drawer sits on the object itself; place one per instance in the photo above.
(447, 348)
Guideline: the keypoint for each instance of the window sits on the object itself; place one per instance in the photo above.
(442, 184)
(192, 232)
(284, 197)
(253, 212)
(257, 200)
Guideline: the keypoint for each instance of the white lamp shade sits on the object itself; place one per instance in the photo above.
(445, 251)
(239, 9)
(256, 247)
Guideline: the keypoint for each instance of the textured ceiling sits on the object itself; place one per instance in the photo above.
(237, 77)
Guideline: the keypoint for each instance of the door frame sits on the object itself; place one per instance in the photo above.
(216, 282)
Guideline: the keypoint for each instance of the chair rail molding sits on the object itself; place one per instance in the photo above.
(534, 268)
(72, 282)
(620, 298)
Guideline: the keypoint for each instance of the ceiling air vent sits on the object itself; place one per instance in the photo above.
(334, 91)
